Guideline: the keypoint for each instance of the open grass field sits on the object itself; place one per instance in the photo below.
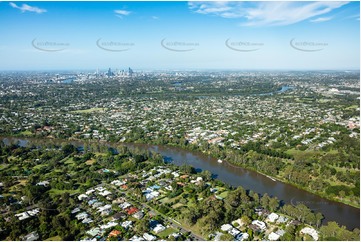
(69, 161)
(3, 166)
(55, 238)
(308, 153)
(90, 162)
(352, 107)
(223, 194)
(168, 200)
(26, 133)
(54, 191)
(39, 166)
(165, 233)
(177, 205)
(90, 110)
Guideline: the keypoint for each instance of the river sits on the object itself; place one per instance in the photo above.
(283, 89)
(236, 176)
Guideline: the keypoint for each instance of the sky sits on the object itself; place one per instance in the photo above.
(180, 35)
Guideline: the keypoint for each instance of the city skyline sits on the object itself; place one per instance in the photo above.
(201, 35)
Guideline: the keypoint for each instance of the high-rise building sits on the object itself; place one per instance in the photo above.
(130, 71)
(110, 73)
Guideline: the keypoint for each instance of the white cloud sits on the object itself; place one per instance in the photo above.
(122, 12)
(266, 13)
(25, 8)
(318, 20)
(155, 17)
(355, 17)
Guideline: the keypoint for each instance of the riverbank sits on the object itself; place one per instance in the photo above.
(278, 178)
(281, 179)
(230, 174)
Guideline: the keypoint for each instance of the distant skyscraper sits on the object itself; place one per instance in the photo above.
(110, 73)
(130, 71)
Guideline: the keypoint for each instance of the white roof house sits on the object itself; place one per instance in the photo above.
(87, 221)
(259, 224)
(136, 238)
(175, 174)
(117, 183)
(273, 236)
(273, 217)
(149, 237)
(100, 189)
(82, 215)
(310, 231)
(82, 196)
(125, 205)
(138, 215)
(126, 224)
(158, 228)
(94, 231)
(108, 225)
(22, 216)
(33, 212)
(234, 232)
(105, 193)
(43, 183)
(90, 191)
(105, 207)
(242, 236)
(226, 227)
(32, 236)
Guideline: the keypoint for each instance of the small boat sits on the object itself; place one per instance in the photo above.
(219, 161)
(271, 178)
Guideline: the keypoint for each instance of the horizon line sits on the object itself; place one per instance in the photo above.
(177, 69)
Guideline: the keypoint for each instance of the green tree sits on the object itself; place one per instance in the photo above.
(273, 204)
(227, 237)
(265, 200)
(330, 230)
(142, 225)
(319, 218)
(246, 220)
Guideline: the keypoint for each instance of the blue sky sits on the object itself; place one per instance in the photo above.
(179, 35)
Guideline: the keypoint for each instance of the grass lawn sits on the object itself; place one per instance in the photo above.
(90, 162)
(3, 166)
(26, 133)
(324, 100)
(17, 186)
(55, 238)
(223, 194)
(165, 233)
(39, 166)
(15, 168)
(12, 158)
(164, 200)
(336, 182)
(22, 181)
(308, 153)
(220, 189)
(177, 205)
(90, 110)
(194, 228)
(352, 107)
(169, 200)
(54, 191)
(69, 161)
